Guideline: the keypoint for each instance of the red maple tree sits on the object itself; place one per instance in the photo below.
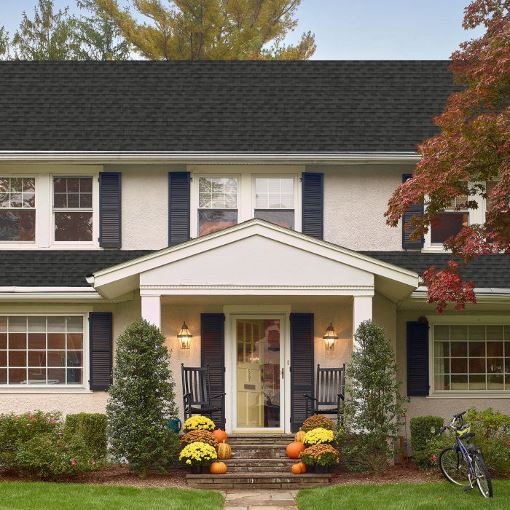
(470, 155)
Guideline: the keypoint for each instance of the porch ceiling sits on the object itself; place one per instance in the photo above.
(256, 258)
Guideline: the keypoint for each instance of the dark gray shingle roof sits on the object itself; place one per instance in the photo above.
(313, 106)
(70, 268)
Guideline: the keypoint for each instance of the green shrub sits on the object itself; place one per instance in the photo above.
(423, 428)
(16, 430)
(91, 427)
(50, 456)
(374, 403)
(141, 401)
(428, 456)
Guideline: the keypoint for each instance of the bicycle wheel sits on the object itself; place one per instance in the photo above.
(483, 478)
(453, 466)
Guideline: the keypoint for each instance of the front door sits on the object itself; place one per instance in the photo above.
(259, 383)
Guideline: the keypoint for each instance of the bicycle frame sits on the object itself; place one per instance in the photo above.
(461, 447)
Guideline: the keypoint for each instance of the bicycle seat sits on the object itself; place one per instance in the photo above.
(460, 415)
(467, 435)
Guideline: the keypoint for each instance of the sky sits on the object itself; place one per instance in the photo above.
(352, 29)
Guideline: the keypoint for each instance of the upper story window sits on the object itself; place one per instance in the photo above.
(41, 350)
(471, 357)
(72, 209)
(450, 222)
(217, 203)
(17, 209)
(274, 200)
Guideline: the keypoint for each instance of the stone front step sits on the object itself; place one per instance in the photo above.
(258, 451)
(257, 480)
(280, 465)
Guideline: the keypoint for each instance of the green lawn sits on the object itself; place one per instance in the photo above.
(64, 496)
(423, 496)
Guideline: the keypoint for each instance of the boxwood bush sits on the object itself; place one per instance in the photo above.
(423, 429)
(91, 427)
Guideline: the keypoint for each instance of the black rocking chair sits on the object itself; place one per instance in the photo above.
(196, 388)
(329, 393)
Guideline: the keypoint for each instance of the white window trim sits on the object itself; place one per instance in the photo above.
(475, 216)
(297, 195)
(456, 321)
(66, 245)
(245, 195)
(57, 388)
(23, 244)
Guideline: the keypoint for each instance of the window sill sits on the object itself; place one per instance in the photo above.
(40, 390)
(471, 395)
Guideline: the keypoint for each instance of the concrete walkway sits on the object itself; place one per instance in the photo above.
(260, 500)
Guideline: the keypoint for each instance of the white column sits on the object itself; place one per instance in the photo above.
(361, 311)
(151, 309)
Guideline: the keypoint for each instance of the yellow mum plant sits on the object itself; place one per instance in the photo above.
(199, 423)
(198, 454)
(318, 436)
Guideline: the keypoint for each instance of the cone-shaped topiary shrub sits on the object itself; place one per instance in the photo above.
(141, 400)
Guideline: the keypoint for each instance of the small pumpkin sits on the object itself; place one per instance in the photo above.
(220, 435)
(298, 469)
(294, 449)
(224, 451)
(300, 436)
(218, 468)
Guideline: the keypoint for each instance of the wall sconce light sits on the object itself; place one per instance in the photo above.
(330, 337)
(184, 336)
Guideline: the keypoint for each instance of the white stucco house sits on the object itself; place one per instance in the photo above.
(244, 199)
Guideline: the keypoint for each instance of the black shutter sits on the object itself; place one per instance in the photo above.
(417, 358)
(178, 207)
(415, 210)
(212, 352)
(313, 205)
(100, 347)
(301, 365)
(110, 228)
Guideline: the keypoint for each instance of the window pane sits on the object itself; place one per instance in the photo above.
(3, 376)
(74, 341)
(282, 218)
(459, 349)
(442, 349)
(73, 226)
(17, 341)
(442, 332)
(74, 359)
(274, 193)
(458, 332)
(36, 358)
(36, 376)
(37, 324)
(477, 333)
(477, 382)
(495, 382)
(56, 324)
(56, 359)
(74, 376)
(17, 358)
(459, 365)
(495, 365)
(56, 341)
(17, 324)
(213, 220)
(477, 349)
(477, 365)
(494, 348)
(3, 358)
(75, 324)
(3, 323)
(17, 225)
(217, 192)
(446, 225)
(17, 375)
(459, 382)
(442, 365)
(495, 333)
(37, 340)
(56, 375)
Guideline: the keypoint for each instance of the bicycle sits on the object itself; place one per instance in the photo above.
(464, 460)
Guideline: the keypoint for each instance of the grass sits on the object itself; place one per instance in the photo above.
(67, 496)
(422, 496)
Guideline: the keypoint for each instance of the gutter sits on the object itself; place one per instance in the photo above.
(207, 157)
(485, 293)
(49, 294)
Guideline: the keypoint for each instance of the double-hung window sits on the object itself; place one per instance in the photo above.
(275, 200)
(450, 222)
(72, 209)
(217, 203)
(471, 357)
(41, 350)
(17, 209)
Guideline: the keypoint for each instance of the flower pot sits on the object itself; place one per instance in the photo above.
(322, 469)
(197, 470)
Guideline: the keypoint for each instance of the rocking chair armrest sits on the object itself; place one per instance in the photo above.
(219, 395)
(341, 396)
(186, 397)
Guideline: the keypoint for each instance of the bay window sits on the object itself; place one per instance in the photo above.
(471, 357)
(17, 209)
(274, 200)
(41, 350)
(217, 203)
(72, 209)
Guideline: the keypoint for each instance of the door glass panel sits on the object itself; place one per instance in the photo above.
(258, 373)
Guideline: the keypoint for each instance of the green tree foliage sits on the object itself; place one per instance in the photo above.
(210, 29)
(97, 36)
(141, 400)
(49, 35)
(374, 405)
(4, 42)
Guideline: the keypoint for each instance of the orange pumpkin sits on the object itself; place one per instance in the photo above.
(297, 469)
(302, 466)
(224, 451)
(218, 468)
(220, 435)
(300, 436)
(294, 449)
